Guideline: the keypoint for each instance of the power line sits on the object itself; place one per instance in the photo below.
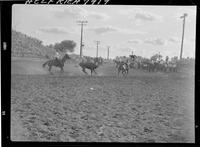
(81, 42)
(184, 15)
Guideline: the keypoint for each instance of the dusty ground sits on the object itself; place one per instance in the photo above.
(143, 107)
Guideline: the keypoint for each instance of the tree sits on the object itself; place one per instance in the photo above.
(50, 46)
(175, 58)
(65, 46)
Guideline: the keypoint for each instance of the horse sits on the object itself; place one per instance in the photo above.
(117, 63)
(133, 57)
(133, 65)
(99, 60)
(124, 68)
(89, 65)
(148, 65)
(57, 63)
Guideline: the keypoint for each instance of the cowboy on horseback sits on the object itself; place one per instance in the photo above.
(57, 61)
(123, 67)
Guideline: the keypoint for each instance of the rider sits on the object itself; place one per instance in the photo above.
(57, 55)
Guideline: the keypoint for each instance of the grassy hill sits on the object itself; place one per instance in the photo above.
(26, 46)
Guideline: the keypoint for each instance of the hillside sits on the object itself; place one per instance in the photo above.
(26, 46)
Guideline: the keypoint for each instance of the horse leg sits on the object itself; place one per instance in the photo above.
(91, 72)
(61, 69)
(95, 71)
(50, 69)
(118, 71)
(116, 65)
(175, 69)
(83, 69)
(124, 72)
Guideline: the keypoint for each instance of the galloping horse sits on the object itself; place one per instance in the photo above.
(56, 62)
(89, 65)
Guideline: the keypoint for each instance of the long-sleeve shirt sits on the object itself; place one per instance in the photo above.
(57, 55)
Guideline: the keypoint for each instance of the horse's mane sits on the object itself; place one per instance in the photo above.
(65, 57)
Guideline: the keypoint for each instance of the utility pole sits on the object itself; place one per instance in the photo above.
(82, 53)
(81, 43)
(184, 15)
(97, 42)
(108, 52)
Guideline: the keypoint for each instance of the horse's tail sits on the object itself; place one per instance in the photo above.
(45, 64)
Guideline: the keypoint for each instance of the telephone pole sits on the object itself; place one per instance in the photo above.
(108, 52)
(81, 42)
(184, 15)
(97, 42)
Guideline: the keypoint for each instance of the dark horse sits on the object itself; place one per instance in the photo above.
(89, 65)
(117, 63)
(123, 67)
(56, 62)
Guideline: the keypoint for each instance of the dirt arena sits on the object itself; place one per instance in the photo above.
(74, 107)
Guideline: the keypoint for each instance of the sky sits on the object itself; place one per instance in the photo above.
(145, 30)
